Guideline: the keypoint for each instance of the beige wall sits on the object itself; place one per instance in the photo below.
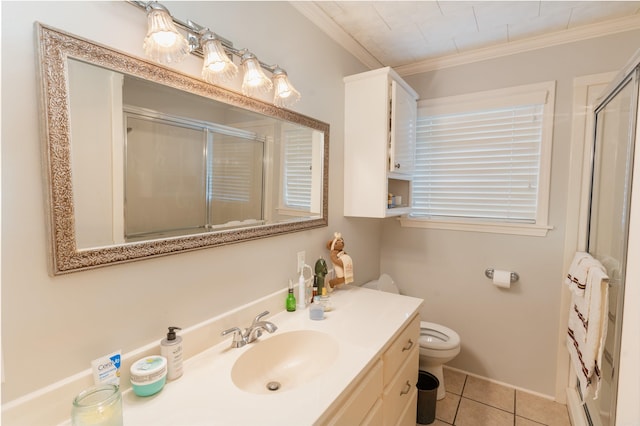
(509, 336)
(52, 327)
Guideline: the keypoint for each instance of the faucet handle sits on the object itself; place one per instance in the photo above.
(238, 338)
(259, 316)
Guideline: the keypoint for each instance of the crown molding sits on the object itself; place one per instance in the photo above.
(318, 17)
(323, 21)
(571, 35)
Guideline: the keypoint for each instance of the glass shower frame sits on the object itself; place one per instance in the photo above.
(608, 223)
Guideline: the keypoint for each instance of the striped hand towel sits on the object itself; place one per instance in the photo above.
(576, 278)
(587, 329)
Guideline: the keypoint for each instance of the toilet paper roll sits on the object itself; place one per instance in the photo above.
(502, 279)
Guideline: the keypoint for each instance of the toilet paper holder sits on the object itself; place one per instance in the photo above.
(513, 278)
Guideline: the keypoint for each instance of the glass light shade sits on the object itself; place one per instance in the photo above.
(163, 42)
(255, 81)
(217, 66)
(284, 94)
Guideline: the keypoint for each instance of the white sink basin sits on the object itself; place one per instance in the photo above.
(284, 361)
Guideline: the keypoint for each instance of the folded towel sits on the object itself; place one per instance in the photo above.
(587, 328)
(577, 276)
(347, 267)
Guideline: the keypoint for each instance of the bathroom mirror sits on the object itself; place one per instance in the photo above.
(141, 160)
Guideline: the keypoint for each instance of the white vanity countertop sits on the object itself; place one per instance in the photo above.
(362, 321)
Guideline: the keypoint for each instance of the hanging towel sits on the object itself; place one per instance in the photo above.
(577, 276)
(587, 328)
(347, 267)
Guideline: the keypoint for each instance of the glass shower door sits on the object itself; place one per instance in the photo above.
(609, 225)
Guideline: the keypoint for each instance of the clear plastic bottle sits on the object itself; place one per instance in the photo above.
(316, 311)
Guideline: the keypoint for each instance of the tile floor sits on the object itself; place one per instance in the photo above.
(472, 401)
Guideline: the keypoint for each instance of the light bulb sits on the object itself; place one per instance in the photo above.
(284, 94)
(254, 81)
(163, 42)
(217, 66)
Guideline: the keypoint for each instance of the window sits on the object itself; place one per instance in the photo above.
(483, 161)
(302, 171)
(298, 157)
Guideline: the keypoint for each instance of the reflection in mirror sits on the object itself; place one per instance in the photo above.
(155, 162)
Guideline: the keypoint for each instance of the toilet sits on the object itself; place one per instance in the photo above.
(438, 344)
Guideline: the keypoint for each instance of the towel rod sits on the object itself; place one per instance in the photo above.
(513, 278)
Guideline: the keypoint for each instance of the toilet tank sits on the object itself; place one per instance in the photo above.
(383, 283)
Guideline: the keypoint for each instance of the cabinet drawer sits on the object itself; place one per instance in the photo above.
(400, 349)
(397, 394)
(409, 416)
(363, 397)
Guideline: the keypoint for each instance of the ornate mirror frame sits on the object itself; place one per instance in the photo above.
(54, 47)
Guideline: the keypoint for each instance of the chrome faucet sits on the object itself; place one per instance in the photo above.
(252, 333)
(238, 337)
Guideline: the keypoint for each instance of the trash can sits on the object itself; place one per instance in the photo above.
(427, 397)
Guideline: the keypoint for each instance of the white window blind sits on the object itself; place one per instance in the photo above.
(483, 163)
(298, 157)
(233, 168)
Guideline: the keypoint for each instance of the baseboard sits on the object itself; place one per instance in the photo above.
(508, 385)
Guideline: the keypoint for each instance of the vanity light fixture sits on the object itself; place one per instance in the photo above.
(164, 43)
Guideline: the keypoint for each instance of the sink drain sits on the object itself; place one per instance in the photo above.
(273, 386)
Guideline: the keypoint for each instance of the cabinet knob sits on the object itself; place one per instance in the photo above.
(407, 388)
(408, 346)
(396, 165)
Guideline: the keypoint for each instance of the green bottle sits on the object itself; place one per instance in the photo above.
(291, 299)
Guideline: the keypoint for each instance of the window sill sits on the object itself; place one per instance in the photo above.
(285, 211)
(459, 225)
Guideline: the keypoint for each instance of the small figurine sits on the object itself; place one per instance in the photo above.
(342, 263)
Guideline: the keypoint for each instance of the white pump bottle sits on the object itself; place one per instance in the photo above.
(171, 349)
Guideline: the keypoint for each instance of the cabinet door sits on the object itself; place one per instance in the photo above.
(361, 401)
(403, 130)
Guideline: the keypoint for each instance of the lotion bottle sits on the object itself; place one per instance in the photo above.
(171, 349)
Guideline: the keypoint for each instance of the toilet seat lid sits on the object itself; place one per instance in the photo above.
(436, 336)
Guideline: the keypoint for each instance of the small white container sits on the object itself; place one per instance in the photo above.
(148, 375)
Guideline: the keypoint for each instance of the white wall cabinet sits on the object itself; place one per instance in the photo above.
(379, 145)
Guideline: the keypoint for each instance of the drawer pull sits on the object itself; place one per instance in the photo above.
(408, 346)
(406, 389)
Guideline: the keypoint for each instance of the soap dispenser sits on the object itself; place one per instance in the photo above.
(171, 349)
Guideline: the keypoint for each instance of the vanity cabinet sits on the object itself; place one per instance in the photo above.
(379, 145)
(400, 377)
(385, 393)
